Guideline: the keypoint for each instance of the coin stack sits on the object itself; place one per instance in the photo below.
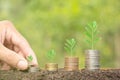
(51, 66)
(92, 61)
(33, 69)
(71, 63)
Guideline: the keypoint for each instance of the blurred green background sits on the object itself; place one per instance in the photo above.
(46, 24)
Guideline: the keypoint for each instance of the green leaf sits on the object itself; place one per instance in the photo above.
(67, 49)
(92, 34)
(90, 26)
(88, 35)
(69, 42)
(95, 29)
(96, 40)
(70, 45)
(88, 41)
(94, 24)
(51, 55)
(88, 29)
(96, 33)
(67, 45)
(30, 58)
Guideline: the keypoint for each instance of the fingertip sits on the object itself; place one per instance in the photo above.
(33, 64)
(22, 65)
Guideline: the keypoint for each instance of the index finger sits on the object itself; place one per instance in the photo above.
(18, 40)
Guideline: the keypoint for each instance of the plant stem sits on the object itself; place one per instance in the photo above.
(71, 51)
(92, 38)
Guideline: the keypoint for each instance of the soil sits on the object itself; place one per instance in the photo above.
(108, 74)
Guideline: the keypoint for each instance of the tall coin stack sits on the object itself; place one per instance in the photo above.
(92, 61)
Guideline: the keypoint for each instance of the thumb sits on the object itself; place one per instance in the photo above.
(12, 58)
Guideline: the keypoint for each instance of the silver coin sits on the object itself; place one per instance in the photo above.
(92, 61)
(33, 69)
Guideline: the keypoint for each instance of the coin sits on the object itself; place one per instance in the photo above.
(71, 63)
(51, 66)
(92, 61)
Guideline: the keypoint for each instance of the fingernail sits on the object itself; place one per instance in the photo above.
(22, 65)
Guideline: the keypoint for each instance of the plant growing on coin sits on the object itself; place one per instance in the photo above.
(30, 58)
(51, 55)
(71, 62)
(31, 68)
(92, 61)
(70, 45)
(92, 34)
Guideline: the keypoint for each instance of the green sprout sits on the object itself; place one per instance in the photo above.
(30, 58)
(51, 55)
(92, 34)
(70, 45)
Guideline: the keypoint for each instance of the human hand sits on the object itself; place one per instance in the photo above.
(14, 49)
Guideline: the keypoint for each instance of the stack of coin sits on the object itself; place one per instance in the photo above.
(51, 66)
(92, 61)
(71, 63)
(33, 69)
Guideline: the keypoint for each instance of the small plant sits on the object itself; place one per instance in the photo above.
(30, 58)
(31, 68)
(92, 34)
(51, 66)
(70, 45)
(51, 55)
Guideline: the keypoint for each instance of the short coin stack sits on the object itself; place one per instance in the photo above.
(71, 63)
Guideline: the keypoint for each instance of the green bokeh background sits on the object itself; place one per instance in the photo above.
(46, 24)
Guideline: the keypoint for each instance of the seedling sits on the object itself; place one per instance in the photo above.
(92, 56)
(31, 68)
(51, 55)
(92, 34)
(30, 58)
(70, 45)
(71, 63)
